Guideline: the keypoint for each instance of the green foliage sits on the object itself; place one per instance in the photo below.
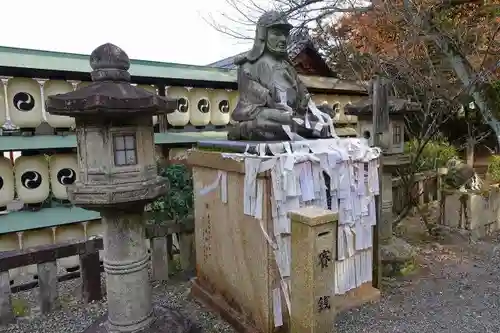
(20, 307)
(178, 202)
(493, 172)
(435, 154)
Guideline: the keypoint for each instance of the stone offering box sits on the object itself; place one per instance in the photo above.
(239, 271)
(478, 212)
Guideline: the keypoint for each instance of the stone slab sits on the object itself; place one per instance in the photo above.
(166, 320)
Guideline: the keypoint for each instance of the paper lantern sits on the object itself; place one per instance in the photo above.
(67, 233)
(6, 183)
(337, 109)
(63, 172)
(54, 87)
(25, 102)
(3, 107)
(31, 238)
(234, 96)
(10, 242)
(199, 100)
(320, 99)
(32, 179)
(151, 89)
(180, 117)
(221, 102)
(95, 229)
(83, 84)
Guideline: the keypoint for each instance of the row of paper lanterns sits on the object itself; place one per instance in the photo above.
(33, 177)
(196, 107)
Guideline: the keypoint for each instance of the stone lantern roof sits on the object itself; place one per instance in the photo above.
(396, 107)
(110, 93)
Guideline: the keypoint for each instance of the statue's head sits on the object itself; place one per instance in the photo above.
(271, 35)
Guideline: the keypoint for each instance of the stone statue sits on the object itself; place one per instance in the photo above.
(274, 104)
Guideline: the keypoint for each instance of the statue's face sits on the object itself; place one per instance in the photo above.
(276, 40)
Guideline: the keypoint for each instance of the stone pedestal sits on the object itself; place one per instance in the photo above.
(313, 253)
(237, 274)
(126, 262)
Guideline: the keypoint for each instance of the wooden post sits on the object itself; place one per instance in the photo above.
(162, 118)
(91, 276)
(381, 135)
(313, 270)
(47, 280)
(6, 313)
(159, 258)
(187, 251)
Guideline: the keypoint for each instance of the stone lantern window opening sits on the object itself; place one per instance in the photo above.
(396, 135)
(125, 149)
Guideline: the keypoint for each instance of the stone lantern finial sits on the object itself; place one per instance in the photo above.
(109, 63)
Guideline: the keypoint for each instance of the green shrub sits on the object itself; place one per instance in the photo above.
(434, 155)
(493, 172)
(178, 202)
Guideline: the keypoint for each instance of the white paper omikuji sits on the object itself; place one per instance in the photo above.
(278, 315)
(297, 181)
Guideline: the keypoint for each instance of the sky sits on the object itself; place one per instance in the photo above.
(161, 30)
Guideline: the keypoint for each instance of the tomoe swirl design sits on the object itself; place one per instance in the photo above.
(66, 176)
(182, 105)
(31, 180)
(204, 105)
(23, 101)
(224, 106)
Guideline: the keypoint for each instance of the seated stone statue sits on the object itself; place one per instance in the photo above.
(274, 104)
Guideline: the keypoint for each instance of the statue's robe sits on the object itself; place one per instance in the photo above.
(259, 114)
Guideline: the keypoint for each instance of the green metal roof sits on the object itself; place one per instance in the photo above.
(41, 142)
(50, 61)
(73, 62)
(44, 218)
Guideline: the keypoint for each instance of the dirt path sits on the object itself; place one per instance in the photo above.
(456, 290)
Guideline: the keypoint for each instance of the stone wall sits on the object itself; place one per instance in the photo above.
(478, 212)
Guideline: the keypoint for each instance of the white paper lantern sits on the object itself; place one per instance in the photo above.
(6, 181)
(67, 233)
(63, 172)
(54, 87)
(337, 109)
(151, 89)
(83, 84)
(180, 117)
(10, 242)
(31, 238)
(320, 99)
(199, 100)
(25, 102)
(3, 106)
(32, 179)
(234, 96)
(221, 106)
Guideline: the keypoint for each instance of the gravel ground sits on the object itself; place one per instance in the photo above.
(75, 317)
(456, 290)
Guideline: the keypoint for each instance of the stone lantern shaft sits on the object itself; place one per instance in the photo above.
(118, 177)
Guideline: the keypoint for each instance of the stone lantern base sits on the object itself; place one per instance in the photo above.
(165, 320)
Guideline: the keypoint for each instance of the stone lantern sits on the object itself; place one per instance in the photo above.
(398, 109)
(393, 158)
(118, 177)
